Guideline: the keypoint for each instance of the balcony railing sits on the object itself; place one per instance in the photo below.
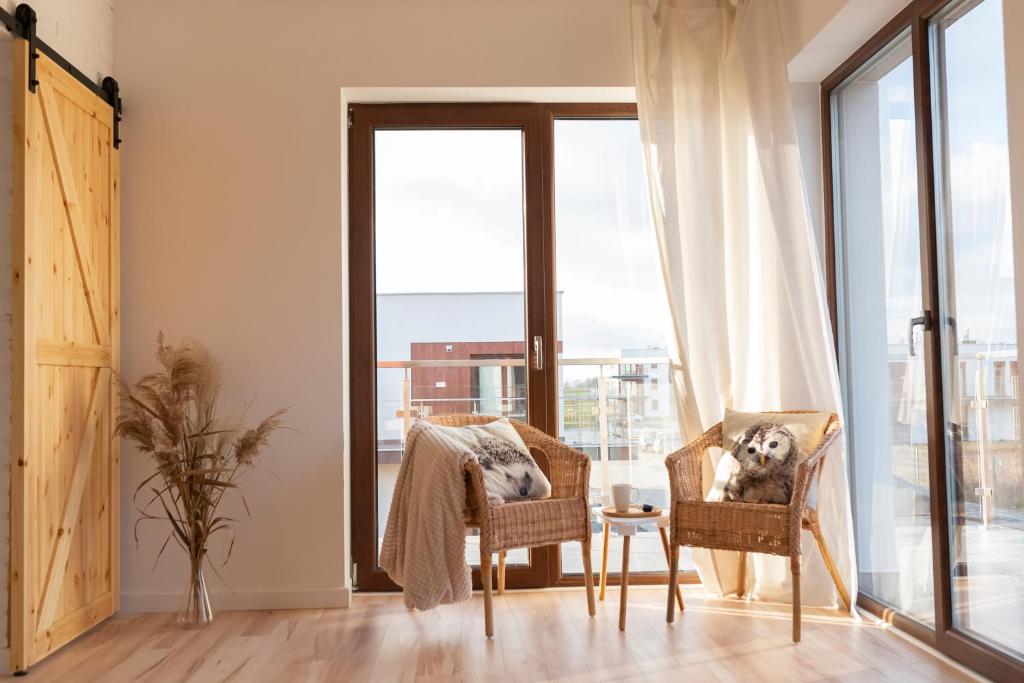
(620, 390)
(985, 412)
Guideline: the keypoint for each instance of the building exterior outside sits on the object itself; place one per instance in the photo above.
(441, 353)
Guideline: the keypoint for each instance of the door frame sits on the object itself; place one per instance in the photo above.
(945, 637)
(364, 121)
(536, 120)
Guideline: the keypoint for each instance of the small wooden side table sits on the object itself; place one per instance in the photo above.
(627, 525)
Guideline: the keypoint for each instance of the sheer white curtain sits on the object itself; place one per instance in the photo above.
(737, 248)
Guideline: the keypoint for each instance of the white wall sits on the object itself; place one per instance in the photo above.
(83, 32)
(823, 35)
(802, 19)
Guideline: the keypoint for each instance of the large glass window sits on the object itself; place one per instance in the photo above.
(980, 312)
(449, 286)
(879, 267)
(929, 317)
(615, 397)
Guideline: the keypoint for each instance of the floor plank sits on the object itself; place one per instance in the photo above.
(541, 635)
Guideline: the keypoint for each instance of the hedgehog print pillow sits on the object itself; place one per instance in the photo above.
(510, 472)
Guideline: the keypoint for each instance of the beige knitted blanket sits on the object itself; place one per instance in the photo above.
(424, 547)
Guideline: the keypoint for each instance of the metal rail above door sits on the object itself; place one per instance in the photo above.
(23, 24)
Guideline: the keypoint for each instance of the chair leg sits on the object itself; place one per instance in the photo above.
(668, 560)
(486, 580)
(741, 575)
(501, 573)
(588, 577)
(604, 560)
(830, 564)
(673, 583)
(796, 606)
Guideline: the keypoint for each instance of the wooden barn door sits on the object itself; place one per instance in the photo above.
(65, 464)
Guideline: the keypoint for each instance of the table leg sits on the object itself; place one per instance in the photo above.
(501, 573)
(741, 576)
(668, 559)
(604, 560)
(625, 582)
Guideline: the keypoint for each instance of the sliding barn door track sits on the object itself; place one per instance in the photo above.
(23, 24)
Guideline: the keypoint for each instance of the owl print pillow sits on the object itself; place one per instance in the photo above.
(765, 450)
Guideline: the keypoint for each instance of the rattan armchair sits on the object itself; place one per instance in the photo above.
(565, 516)
(746, 527)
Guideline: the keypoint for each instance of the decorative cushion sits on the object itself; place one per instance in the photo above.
(807, 428)
(510, 472)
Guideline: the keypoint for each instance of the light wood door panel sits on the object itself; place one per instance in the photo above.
(65, 465)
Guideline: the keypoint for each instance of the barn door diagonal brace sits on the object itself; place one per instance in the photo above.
(23, 24)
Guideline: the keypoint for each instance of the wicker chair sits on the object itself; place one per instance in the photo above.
(746, 527)
(533, 523)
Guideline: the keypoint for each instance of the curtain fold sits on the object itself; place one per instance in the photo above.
(737, 250)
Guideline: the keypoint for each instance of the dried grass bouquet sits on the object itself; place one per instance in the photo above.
(171, 416)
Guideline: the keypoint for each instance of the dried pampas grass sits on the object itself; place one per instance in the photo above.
(171, 416)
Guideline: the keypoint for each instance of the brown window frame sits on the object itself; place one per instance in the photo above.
(945, 637)
(536, 120)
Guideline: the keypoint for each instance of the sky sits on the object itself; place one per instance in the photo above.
(979, 176)
(979, 291)
(449, 218)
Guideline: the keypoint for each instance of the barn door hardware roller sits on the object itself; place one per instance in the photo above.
(26, 16)
(23, 24)
(114, 97)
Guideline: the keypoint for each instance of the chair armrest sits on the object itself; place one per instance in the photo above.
(809, 469)
(569, 469)
(685, 465)
(476, 494)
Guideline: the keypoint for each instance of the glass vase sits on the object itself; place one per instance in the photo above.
(195, 611)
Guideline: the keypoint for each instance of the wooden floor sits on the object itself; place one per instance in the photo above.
(538, 636)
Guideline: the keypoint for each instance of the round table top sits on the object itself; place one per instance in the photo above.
(635, 512)
(656, 516)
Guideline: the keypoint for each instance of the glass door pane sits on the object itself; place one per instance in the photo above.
(978, 288)
(615, 398)
(878, 260)
(449, 262)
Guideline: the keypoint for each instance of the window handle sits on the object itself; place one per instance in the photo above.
(538, 352)
(925, 321)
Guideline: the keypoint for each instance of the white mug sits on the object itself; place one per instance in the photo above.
(624, 495)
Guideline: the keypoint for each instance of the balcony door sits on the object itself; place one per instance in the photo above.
(458, 303)
(928, 312)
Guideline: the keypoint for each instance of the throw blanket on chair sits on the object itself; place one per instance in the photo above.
(424, 548)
